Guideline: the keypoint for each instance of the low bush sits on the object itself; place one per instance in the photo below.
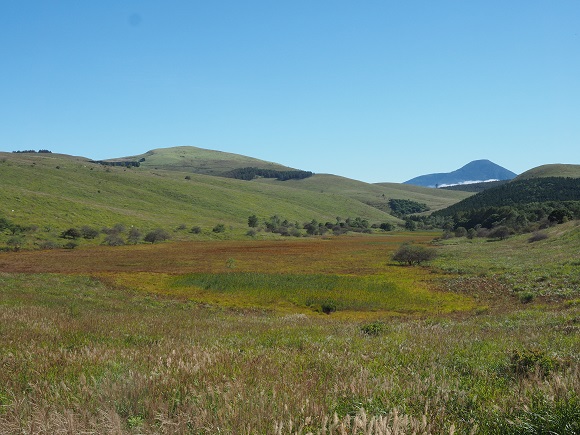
(219, 228)
(526, 297)
(114, 240)
(537, 236)
(526, 362)
(88, 232)
(328, 306)
(71, 233)
(158, 235)
(373, 329)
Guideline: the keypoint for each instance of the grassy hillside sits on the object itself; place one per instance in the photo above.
(209, 162)
(57, 191)
(198, 160)
(546, 268)
(376, 195)
(554, 170)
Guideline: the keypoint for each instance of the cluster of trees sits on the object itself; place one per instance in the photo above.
(520, 206)
(278, 225)
(250, 173)
(125, 163)
(32, 151)
(520, 192)
(117, 235)
(405, 207)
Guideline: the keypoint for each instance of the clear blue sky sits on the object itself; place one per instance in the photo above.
(375, 90)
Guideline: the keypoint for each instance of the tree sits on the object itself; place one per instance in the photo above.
(413, 254)
(253, 221)
(88, 232)
(113, 239)
(134, 236)
(501, 232)
(158, 235)
(386, 226)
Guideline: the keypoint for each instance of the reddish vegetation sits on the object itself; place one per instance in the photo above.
(356, 255)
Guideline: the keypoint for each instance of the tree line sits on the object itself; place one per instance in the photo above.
(250, 173)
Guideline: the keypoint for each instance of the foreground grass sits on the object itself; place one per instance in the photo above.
(78, 355)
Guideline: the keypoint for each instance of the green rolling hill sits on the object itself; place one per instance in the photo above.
(48, 193)
(59, 191)
(198, 161)
(375, 195)
(553, 170)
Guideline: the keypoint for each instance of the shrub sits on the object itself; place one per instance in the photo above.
(413, 254)
(196, 230)
(114, 240)
(88, 232)
(219, 228)
(47, 244)
(502, 232)
(373, 329)
(134, 236)
(526, 297)
(158, 235)
(328, 306)
(386, 226)
(527, 361)
(70, 245)
(71, 233)
(253, 221)
(460, 232)
(537, 236)
(471, 233)
(15, 242)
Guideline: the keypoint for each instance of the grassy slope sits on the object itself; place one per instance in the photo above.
(209, 162)
(373, 193)
(546, 268)
(34, 191)
(554, 170)
(199, 160)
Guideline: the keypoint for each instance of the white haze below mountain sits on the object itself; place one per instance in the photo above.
(467, 182)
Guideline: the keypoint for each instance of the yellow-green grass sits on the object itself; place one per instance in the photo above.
(401, 292)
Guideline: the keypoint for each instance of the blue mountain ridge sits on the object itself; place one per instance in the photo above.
(477, 170)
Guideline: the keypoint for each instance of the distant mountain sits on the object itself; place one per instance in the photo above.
(473, 172)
